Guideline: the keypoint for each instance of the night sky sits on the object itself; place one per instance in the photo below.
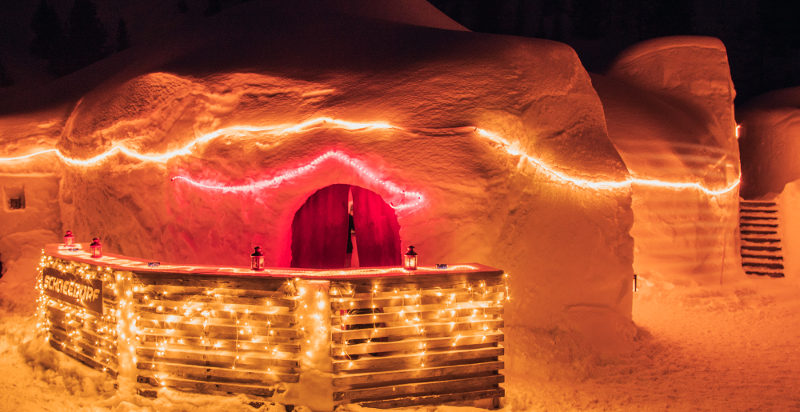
(762, 36)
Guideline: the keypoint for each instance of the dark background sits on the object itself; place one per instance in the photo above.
(43, 40)
(762, 36)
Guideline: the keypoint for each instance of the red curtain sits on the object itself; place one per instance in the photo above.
(320, 229)
(377, 230)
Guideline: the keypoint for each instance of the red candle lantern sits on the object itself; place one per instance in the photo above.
(410, 259)
(69, 240)
(257, 259)
(97, 248)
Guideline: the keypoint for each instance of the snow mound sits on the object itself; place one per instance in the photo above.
(669, 111)
(691, 70)
(21, 252)
(481, 204)
(415, 12)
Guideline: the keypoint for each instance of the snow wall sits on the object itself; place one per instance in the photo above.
(770, 145)
(669, 110)
(244, 84)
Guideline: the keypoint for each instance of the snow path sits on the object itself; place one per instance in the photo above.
(731, 348)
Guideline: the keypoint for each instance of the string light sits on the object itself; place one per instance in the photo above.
(280, 130)
(150, 330)
(513, 149)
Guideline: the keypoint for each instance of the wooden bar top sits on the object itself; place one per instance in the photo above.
(79, 253)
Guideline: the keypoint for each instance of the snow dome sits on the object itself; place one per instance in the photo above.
(669, 109)
(471, 147)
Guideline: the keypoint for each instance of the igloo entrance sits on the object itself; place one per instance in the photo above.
(321, 230)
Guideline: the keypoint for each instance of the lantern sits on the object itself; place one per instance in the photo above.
(97, 248)
(257, 259)
(410, 259)
(69, 240)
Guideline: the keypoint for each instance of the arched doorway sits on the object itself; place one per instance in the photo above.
(321, 229)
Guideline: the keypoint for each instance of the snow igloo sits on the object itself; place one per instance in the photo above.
(260, 129)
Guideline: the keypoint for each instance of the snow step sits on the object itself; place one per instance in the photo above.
(760, 240)
(768, 257)
(762, 248)
(757, 218)
(770, 274)
(770, 211)
(757, 203)
(764, 265)
(752, 224)
(759, 232)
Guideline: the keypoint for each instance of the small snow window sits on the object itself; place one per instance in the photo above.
(15, 197)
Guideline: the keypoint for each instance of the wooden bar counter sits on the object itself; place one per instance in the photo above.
(379, 337)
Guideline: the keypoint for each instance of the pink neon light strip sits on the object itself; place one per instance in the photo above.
(415, 198)
(512, 149)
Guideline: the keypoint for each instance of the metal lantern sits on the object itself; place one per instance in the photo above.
(257, 259)
(410, 259)
(97, 248)
(69, 240)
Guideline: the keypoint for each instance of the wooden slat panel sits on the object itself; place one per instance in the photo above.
(195, 345)
(424, 314)
(92, 325)
(217, 374)
(412, 297)
(416, 344)
(83, 358)
(431, 329)
(209, 387)
(259, 292)
(435, 399)
(59, 312)
(177, 329)
(402, 302)
(217, 344)
(224, 360)
(219, 282)
(373, 379)
(238, 302)
(406, 361)
(87, 340)
(421, 388)
(444, 281)
(339, 292)
(276, 321)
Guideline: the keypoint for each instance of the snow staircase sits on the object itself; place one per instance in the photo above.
(761, 242)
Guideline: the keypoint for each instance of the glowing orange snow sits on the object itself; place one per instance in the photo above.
(512, 149)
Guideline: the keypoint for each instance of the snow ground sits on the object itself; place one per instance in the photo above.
(731, 347)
